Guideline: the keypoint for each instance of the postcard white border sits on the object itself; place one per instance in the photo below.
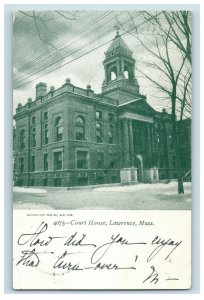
(8, 135)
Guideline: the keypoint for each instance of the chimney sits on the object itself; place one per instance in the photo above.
(41, 89)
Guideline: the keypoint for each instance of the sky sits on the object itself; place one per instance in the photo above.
(50, 46)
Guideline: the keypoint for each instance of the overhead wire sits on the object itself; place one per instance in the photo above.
(57, 45)
(70, 53)
(74, 59)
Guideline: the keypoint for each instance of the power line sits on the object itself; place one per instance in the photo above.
(37, 47)
(62, 42)
(74, 59)
(70, 53)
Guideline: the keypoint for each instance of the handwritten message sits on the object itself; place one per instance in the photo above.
(140, 250)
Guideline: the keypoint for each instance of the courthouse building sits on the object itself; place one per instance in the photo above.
(72, 136)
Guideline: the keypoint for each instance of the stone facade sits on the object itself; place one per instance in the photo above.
(71, 136)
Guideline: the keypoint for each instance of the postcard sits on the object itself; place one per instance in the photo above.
(102, 149)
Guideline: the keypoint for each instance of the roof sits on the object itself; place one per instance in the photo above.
(118, 43)
(128, 102)
(138, 105)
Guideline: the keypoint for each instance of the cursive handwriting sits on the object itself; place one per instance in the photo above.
(34, 239)
(29, 258)
(117, 239)
(64, 262)
(153, 277)
(102, 266)
(72, 241)
(160, 244)
(95, 257)
(61, 264)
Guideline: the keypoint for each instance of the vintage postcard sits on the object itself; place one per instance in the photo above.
(102, 149)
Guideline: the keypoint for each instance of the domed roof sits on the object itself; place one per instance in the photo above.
(118, 43)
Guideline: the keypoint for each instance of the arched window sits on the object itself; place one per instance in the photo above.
(99, 130)
(80, 128)
(58, 129)
(46, 133)
(22, 139)
(113, 73)
(127, 72)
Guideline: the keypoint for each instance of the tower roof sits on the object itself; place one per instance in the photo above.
(118, 44)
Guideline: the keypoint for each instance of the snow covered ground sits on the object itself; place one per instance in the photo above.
(144, 186)
(26, 205)
(138, 196)
(29, 190)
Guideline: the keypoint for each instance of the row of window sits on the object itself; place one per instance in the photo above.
(98, 116)
(82, 161)
(57, 162)
(80, 132)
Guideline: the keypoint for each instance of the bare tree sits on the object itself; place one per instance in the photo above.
(169, 45)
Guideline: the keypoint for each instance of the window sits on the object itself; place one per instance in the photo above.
(174, 162)
(45, 162)
(82, 160)
(113, 73)
(110, 137)
(80, 128)
(57, 182)
(99, 130)
(157, 134)
(157, 138)
(171, 140)
(58, 160)
(46, 134)
(99, 115)
(33, 120)
(45, 115)
(32, 163)
(112, 160)
(32, 182)
(22, 139)
(100, 160)
(21, 164)
(14, 167)
(111, 134)
(126, 74)
(33, 137)
(58, 129)
(111, 117)
(45, 181)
